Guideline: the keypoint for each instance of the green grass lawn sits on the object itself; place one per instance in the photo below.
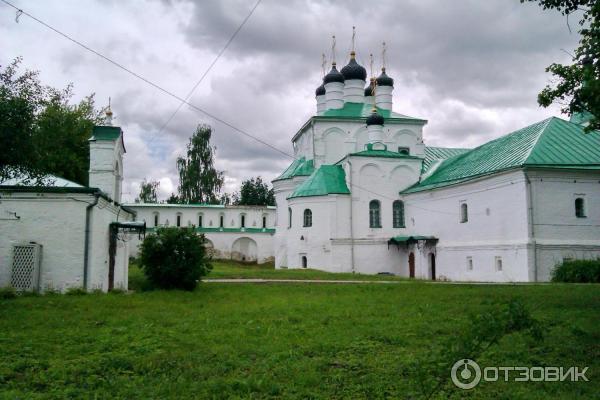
(232, 269)
(283, 341)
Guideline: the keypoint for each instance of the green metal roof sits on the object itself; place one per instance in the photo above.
(553, 143)
(433, 154)
(363, 110)
(299, 167)
(106, 133)
(328, 179)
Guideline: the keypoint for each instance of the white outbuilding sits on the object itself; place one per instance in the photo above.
(63, 235)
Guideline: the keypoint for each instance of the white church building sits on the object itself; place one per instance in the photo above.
(366, 194)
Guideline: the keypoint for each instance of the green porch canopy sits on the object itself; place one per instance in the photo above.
(397, 240)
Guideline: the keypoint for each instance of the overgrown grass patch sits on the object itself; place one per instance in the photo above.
(283, 341)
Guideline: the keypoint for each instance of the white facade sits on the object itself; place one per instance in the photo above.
(71, 223)
(519, 221)
(243, 233)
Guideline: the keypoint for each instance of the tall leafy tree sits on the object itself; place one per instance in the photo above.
(40, 131)
(199, 181)
(577, 86)
(148, 192)
(255, 192)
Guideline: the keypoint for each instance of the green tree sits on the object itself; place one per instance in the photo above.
(148, 192)
(577, 86)
(40, 131)
(174, 258)
(255, 192)
(199, 181)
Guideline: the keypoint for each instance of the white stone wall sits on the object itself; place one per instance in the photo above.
(558, 233)
(57, 222)
(244, 244)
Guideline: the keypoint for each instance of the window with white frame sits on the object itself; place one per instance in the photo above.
(289, 217)
(498, 264)
(464, 213)
(469, 263)
(398, 214)
(580, 207)
(375, 214)
(307, 218)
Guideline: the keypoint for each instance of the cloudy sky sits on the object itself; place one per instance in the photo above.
(472, 68)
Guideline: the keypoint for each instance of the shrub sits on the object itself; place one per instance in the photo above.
(584, 271)
(7, 292)
(76, 291)
(174, 258)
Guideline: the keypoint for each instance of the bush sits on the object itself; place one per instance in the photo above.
(7, 292)
(582, 271)
(76, 291)
(174, 258)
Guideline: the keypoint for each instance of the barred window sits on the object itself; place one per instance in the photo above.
(398, 214)
(375, 214)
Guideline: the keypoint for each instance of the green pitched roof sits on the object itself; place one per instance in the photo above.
(433, 154)
(328, 179)
(553, 143)
(106, 133)
(363, 110)
(299, 167)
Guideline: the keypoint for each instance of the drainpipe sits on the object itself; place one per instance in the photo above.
(351, 223)
(531, 227)
(86, 248)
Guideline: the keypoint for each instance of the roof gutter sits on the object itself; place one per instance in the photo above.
(86, 246)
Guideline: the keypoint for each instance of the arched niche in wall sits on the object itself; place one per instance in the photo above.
(362, 138)
(404, 138)
(403, 176)
(333, 140)
(370, 178)
(244, 249)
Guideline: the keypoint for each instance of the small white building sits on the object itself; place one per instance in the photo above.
(243, 233)
(63, 235)
(365, 194)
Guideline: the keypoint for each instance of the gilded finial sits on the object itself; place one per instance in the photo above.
(109, 114)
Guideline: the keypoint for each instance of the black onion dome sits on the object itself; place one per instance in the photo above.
(369, 89)
(375, 119)
(320, 90)
(384, 80)
(354, 70)
(333, 76)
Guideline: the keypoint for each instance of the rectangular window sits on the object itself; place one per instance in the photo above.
(155, 219)
(221, 221)
(243, 223)
(264, 225)
(179, 220)
(464, 213)
(498, 264)
(469, 263)
(199, 221)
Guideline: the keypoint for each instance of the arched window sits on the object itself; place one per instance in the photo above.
(199, 220)
(221, 221)
(464, 213)
(156, 219)
(264, 224)
(398, 214)
(375, 214)
(580, 207)
(178, 219)
(243, 220)
(289, 217)
(307, 218)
